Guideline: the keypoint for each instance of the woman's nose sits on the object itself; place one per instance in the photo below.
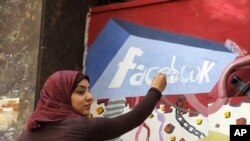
(89, 96)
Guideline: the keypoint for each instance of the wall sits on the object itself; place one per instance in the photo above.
(36, 38)
(19, 45)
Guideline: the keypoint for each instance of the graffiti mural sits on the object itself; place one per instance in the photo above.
(186, 112)
(203, 98)
(128, 61)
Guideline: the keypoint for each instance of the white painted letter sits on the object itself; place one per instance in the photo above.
(124, 66)
(204, 71)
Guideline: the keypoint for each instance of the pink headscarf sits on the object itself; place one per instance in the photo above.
(55, 99)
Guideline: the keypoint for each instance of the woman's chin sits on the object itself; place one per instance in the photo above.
(86, 113)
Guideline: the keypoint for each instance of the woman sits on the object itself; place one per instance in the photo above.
(62, 113)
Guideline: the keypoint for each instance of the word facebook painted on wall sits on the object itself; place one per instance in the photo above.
(124, 65)
(197, 73)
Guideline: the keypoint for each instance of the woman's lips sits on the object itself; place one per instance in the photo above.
(87, 106)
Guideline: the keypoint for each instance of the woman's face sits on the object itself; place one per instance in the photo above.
(81, 98)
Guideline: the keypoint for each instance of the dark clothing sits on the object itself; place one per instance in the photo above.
(95, 129)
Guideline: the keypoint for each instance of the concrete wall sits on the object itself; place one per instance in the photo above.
(37, 37)
(19, 46)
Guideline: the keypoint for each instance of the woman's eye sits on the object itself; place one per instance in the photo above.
(81, 92)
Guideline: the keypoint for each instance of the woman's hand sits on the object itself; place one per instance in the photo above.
(159, 81)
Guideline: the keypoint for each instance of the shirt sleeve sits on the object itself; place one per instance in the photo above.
(108, 128)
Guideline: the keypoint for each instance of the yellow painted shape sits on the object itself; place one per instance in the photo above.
(227, 114)
(198, 121)
(99, 110)
(172, 138)
(215, 136)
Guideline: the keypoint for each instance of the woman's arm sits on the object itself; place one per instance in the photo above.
(108, 128)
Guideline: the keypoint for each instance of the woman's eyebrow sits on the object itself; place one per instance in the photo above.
(82, 86)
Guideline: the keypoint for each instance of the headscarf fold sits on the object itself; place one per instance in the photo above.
(55, 99)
